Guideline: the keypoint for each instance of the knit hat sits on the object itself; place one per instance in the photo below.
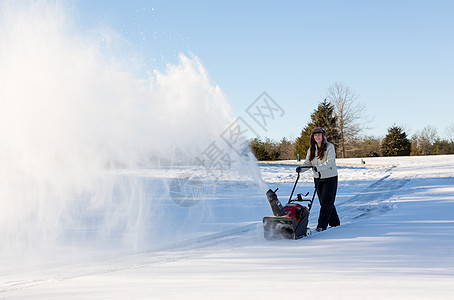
(318, 130)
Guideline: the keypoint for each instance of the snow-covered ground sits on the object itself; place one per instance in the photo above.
(396, 242)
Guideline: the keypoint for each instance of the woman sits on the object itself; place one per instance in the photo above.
(321, 156)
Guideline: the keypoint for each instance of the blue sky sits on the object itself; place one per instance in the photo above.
(396, 55)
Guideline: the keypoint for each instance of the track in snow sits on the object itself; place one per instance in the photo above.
(374, 200)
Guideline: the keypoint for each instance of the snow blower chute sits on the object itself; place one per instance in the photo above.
(289, 221)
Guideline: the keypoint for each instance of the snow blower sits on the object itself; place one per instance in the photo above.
(289, 221)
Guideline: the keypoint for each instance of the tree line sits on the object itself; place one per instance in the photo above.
(340, 115)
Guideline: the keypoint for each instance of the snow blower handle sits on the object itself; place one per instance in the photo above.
(299, 168)
(315, 191)
(294, 186)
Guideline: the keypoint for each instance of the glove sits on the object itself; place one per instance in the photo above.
(298, 169)
(314, 168)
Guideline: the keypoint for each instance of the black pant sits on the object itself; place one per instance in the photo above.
(326, 192)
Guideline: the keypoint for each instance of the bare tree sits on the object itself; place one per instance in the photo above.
(348, 112)
(423, 140)
(286, 150)
(450, 133)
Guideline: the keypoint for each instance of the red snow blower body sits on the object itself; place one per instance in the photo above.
(289, 221)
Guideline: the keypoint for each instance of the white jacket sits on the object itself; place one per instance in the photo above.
(327, 165)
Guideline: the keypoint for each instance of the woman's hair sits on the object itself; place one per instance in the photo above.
(321, 150)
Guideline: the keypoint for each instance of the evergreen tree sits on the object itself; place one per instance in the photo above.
(396, 142)
(442, 147)
(302, 142)
(324, 117)
(267, 150)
